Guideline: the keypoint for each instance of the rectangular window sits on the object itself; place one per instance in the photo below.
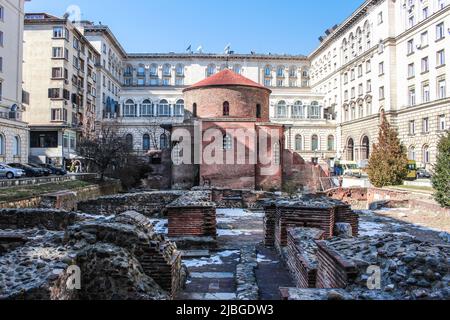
(412, 96)
(368, 66)
(412, 127)
(58, 32)
(426, 93)
(424, 39)
(410, 46)
(411, 71)
(54, 93)
(441, 89)
(1, 38)
(44, 139)
(57, 52)
(440, 31)
(380, 18)
(425, 13)
(440, 58)
(425, 65)
(1, 64)
(442, 122)
(425, 125)
(369, 86)
(57, 73)
(59, 115)
(2, 13)
(381, 68)
(360, 90)
(381, 93)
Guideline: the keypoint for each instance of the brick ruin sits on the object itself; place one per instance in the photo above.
(120, 257)
(328, 264)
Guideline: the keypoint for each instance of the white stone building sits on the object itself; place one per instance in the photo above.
(60, 73)
(388, 55)
(13, 130)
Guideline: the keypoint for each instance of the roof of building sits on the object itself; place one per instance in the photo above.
(226, 78)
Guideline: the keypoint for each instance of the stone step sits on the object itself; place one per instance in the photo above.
(211, 275)
(186, 254)
(208, 296)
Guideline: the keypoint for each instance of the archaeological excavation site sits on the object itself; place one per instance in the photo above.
(222, 244)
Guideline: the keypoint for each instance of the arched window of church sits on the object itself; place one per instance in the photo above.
(163, 141)
(315, 143)
(146, 142)
(227, 142)
(276, 154)
(226, 108)
(298, 143)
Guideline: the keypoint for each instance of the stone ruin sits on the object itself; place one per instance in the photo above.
(318, 238)
(120, 257)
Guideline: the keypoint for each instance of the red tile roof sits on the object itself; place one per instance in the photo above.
(226, 78)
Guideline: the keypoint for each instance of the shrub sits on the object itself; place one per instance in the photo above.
(441, 177)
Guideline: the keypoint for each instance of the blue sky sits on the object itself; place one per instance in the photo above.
(276, 26)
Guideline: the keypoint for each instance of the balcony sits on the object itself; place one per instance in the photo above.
(11, 115)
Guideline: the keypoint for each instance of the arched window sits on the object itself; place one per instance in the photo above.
(179, 70)
(16, 146)
(426, 154)
(141, 71)
(163, 141)
(330, 143)
(167, 68)
(2, 145)
(129, 141)
(293, 72)
(351, 150)
(412, 153)
(365, 152)
(276, 154)
(164, 108)
(179, 108)
(194, 110)
(129, 109)
(315, 143)
(297, 110)
(146, 142)
(226, 109)
(298, 143)
(268, 71)
(227, 142)
(258, 111)
(147, 108)
(281, 110)
(314, 110)
(280, 72)
(154, 70)
(211, 70)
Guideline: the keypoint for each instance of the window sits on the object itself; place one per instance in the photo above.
(412, 97)
(57, 52)
(281, 111)
(57, 73)
(314, 143)
(440, 32)
(2, 144)
(167, 70)
(298, 110)
(411, 21)
(129, 109)
(368, 66)
(153, 70)
(194, 110)
(146, 142)
(58, 32)
(179, 108)
(280, 72)
(164, 109)
(226, 109)
(163, 141)
(227, 142)
(59, 115)
(276, 154)
(258, 111)
(441, 4)
(179, 70)
(211, 70)
(380, 18)
(426, 154)
(129, 141)
(147, 108)
(440, 60)
(424, 39)
(44, 139)
(441, 89)
(330, 143)
(381, 68)
(425, 13)
(412, 153)
(442, 122)
(1, 38)
(412, 127)
(360, 89)
(381, 93)
(369, 86)
(411, 70)
(425, 65)
(425, 125)
(352, 75)
(16, 146)
(298, 143)
(267, 71)
(425, 93)
(54, 93)
(2, 13)
(411, 46)
(314, 110)
(237, 69)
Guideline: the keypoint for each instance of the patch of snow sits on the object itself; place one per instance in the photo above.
(237, 213)
(160, 225)
(370, 229)
(213, 260)
(224, 233)
(263, 259)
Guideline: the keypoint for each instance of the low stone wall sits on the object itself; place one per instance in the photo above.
(54, 220)
(4, 183)
(150, 204)
(246, 199)
(65, 199)
(356, 197)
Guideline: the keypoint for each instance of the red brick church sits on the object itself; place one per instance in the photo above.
(228, 115)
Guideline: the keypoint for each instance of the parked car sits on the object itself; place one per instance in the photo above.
(29, 171)
(423, 174)
(46, 172)
(10, 172)
(54, 170)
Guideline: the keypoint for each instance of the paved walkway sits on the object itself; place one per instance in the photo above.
(213, 275)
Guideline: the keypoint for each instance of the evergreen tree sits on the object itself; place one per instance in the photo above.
(388, 162)
(441, 177)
